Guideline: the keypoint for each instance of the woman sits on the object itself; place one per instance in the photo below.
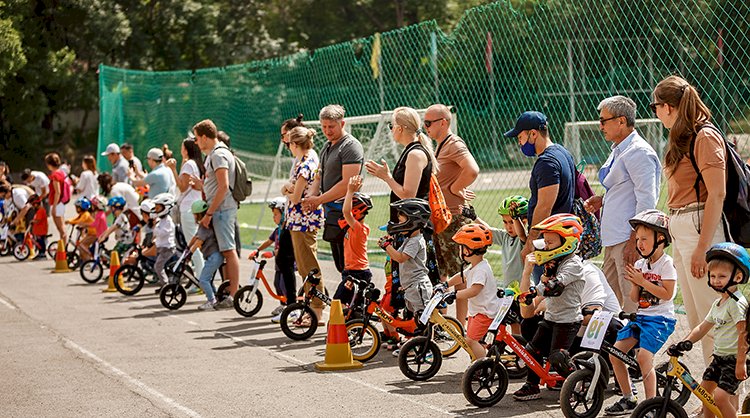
(87, 185)
(304, 224)
(5, 173)
(695, 220)
(56, 185)
(112, 189)
(192, 165)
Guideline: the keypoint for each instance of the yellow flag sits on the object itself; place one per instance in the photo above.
(375, 58)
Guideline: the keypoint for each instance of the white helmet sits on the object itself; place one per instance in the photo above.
(277, 203)
(164, 199)
(147, 206)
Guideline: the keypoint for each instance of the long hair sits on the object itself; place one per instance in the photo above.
(194, 153)
(90, 162)
(692, 113)
(105, 182)
(408, 118)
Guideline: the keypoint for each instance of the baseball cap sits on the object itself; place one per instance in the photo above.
(527, 121)
(155, 154)
(111, 149)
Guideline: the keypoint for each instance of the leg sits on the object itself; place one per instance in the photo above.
(305, 254)
(449, 261)
(189, 228)
(621, 371)
(213, 262)
(162, 256)
(224, 228)
(609, 268)
(337, 248)
(710, 387)
(289, 282)
(724, 402)
(646, 361)
(563, 336)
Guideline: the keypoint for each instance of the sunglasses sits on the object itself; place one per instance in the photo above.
(653, 105)
(603, 121)
(428, 123)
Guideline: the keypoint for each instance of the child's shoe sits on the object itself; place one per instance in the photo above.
(277, 310)
(208, 306)
(527, 392)
(622, 407)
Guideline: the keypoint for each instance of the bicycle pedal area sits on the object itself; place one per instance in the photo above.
(71, 350)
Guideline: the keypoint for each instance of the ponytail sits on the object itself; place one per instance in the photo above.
(426, 142)
(409, 119)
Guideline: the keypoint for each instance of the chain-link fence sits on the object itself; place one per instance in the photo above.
(561, 58)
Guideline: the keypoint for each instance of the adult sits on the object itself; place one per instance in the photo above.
(631, 177)
(5, 172)
(694, 220)
(192, 165)
(120, 167)
(133, 162)
(341, 158)
(287, 126)
(87, 185)
(39, 182)
(458, 170)
(224, 138)
(222, 210)
(14, 199)
(126, 191)
(57, 183)
(552, 177)
(159, 179)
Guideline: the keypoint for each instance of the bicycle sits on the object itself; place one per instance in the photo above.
(22, 250)
(364, 338)
(174, 294)
(6, 240)
(92, 270)
(71, 248)
(130, 278)
(248, 300)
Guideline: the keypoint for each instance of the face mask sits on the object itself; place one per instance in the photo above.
(528, 149)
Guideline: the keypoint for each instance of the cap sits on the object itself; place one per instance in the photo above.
(155, 154)
(527, 121)
(111, 149)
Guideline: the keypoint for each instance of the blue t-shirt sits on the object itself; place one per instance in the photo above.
(159, 180)
(553, 166)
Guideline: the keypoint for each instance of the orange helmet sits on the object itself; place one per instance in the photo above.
(474, 236)
(568, 227)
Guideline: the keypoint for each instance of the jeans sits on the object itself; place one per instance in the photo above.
(189, 228)
(224, 222)
(212, 263)
(550, 337)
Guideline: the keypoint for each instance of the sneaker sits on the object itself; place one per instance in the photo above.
(194, 290)
(527, 392)
(276, 318)
(40, 256)
(622, 407)
(208, 306)
(227, 303)
(277, 311)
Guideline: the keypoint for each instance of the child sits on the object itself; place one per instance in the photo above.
(122, 226)
(356, 206)
(728, 266)
(164, 238)
(285, 281)
(653, 278)
(205, 240)
(481, 288)
(144, 233)
(98, 206)
(561, 286)
(39, 225)
(85, 222)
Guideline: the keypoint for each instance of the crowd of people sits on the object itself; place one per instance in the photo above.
(539, 238)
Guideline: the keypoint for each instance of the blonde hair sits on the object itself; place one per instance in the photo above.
(409, 119)
(302, 137)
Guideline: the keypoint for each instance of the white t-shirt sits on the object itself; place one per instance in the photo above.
(87, 184)
(190, 195)
(600, 294)
(123, 233)
(662, 270)
(20, 196)
(486, 302)
(41, 182)
(128, 192)
(164, 233)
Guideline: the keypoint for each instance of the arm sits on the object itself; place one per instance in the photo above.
(520, 230)
(636, 277)
(700, 331)
(58, 192)
(741, 368)
(546, 197)
(355, 183)
(470, 292)
(527, 311)
(469, 173)
(182, 180)
(396, 255)
(635, 293)
(45, 192)
(715, 181)
(267, 243)
(339, 189)
(106, 233)
(456, 279)
(222, 180)
(415, 163)
(195, 244)
(299, 187)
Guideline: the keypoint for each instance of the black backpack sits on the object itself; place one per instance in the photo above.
(736, 209)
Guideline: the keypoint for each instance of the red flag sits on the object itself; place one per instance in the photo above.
(488, 53)
(720, 47)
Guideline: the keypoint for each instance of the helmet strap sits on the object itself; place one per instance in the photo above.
(648, 256)
(725, 288)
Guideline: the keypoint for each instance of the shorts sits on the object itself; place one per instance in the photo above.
(224, 228)
(417, 295)
(477, 326)
(59, 210)
(722, 371)
(650, 332)
(447, 251)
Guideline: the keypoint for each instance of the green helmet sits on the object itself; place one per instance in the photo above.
(199, 206)
(521, 206)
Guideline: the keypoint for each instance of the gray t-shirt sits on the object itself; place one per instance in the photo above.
(120, 170)
(348, 150)
(219, 157)
(210, 245)
(414, 270)
(566, 308)
(511, 248)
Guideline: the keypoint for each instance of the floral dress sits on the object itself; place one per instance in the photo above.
(297, 219)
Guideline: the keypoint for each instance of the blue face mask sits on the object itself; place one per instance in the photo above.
(528, 149)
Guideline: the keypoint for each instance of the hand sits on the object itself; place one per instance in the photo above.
(629, 254)
(513, 210)
(529, 261)
(634, 276)
(698, 265)
(385, 242)
(171, 163)
(450, 298)
(287, 188)
(195, 182)
(740, 372)
(440, 287)
(466, 194)
(205, 221)
(311, 203)
(526, 298)
(380, 171)
(355, 183)
(593, 204)
(252, 255)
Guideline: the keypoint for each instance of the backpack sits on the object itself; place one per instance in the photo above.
(590, 244)
(243, 184)
(66, 190)
(441, 217)
(736, 208)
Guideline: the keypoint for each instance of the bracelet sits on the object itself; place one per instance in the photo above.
(209, 214)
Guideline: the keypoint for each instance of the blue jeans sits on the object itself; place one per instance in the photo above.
(224, 227)
(210, 265)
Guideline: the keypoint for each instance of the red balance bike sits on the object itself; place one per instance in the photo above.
(248, 300)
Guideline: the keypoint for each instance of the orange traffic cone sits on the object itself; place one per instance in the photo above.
(61, 259)
(338, 351)
(114, 264)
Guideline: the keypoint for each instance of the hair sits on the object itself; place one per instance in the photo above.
(224, 137)
(302, 136)
(4, 165)
(125, 146)
(205, 127)
(290, 124)
(26, 174)
(53, 160)
(719, 261)
(620, 106)
(652, 230)
(4, 187)
(408, 119)
(90, 162)
(332, 112)
(194, 153)
(691, 114)
(105, 182)
(167, 152)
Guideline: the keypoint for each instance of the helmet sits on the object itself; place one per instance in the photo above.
(117, 202)
(734, 253)
(417, 212)
(147, 206)
(568, 227)
(277, 203)
(164, 199)
(522, 206)
(653, 219)
(83, 203)
(34, 199)
(100, 202)
(474, 236)
(199, 206)
(361, 204)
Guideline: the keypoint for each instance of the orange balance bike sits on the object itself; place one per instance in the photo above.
(248, 300)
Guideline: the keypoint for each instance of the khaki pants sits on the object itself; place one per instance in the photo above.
(306, 256)
(614, 270)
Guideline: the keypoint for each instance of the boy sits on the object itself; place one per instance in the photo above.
(39, 225)
(728, 266)
(205, 240)
(85, 222)
(653, 278)
(125, 221)
(481, 289)
(164, 237)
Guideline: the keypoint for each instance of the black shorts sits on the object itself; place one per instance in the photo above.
(722, 371)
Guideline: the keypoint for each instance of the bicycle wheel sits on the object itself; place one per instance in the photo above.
(419, 359)
(514, 365)
(448, 346)
(651, 408)
(74, 260)
(573, 400)
(294, 321)
(52, 249)
(91, 271)
(172, 296)
(680, 392)
(21, 251)
(603, 365)
(364, 341)
(485, 382)
(129, 279)
(223, 291)
(248, 301)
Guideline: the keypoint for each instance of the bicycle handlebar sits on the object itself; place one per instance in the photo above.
(628, 316)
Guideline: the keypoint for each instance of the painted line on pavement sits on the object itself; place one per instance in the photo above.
(7, 304)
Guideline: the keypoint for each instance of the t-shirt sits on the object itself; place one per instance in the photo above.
(84, 218)
(725, 317)
(41, 181)
(486, 302)
(19, 197)
(593, 291)
(160, 180)
(100, 223)
(566, 308)
(120, 170)
(190, 195)
(128, 193)
(219, 157)
(709, 153)
(348, 150)
(414, 270)
(661, 270)
(355, 247)
(56, 177)
(511, 248)
(449, 154)
(41, 226)
(123, 233)
(298, 219)
(164, 233)
(611, 304)
(553, 166)
(87, 184)
(136, 163)
(207, 235)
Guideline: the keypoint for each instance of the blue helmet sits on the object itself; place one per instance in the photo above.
(734, 253)
(117, 202)
(83, 203)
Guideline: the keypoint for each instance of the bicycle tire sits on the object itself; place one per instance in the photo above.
(514, 365)
(223, 291)
(650, 407)
(292, 316)
(482, 375)
(21, 251)
(91, 271)
(52, 249)
(604, 366)
(129, 279)
(452, 347)
(573, 394)
(417, 352)
(172, 296)
(368, 348)
(680, 392)
(74, 260)
(243, 303)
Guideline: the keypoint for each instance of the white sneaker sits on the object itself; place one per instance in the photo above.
(276, 318)
(208, 306)
(277, 311)
(227, 303)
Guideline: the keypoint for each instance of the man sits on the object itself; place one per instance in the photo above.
(40, 183)
(552, 181)
(631, 177)
(160, 179)
(222, 211)
(341, 158)
(120, 168)
(458, 170)
(133, 161)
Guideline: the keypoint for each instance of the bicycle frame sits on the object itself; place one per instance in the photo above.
(260, 276)
(436, 318)
(407, 327)
(676, 371)
(546, 376)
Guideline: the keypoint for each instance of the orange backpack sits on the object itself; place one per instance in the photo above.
(441, 217)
